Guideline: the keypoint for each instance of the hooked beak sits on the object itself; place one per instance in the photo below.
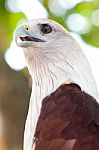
(24, 39)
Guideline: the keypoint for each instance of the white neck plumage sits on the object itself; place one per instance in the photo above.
(49, 74)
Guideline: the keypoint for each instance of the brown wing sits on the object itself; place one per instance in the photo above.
(69, 120)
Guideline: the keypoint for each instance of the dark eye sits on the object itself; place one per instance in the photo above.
(45, 28)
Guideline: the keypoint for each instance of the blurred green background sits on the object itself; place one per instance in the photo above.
(78, 16)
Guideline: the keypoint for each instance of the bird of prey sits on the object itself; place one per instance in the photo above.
(63, 111)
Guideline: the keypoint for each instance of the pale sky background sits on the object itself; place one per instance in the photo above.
(76, 22)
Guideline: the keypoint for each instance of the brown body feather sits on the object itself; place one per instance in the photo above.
(69, 120)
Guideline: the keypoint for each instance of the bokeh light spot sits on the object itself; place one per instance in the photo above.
(68, 4)
(32, 9)
(78, 23)
(12, 5)
(14, 57)
(95, 17)
(56, 8)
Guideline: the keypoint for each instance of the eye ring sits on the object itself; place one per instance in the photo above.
(46, 28)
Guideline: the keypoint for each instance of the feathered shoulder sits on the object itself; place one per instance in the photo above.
(69, 120)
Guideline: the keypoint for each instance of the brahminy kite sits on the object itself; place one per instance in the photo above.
(63, 111)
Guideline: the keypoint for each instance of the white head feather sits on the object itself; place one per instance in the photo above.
(56, 61)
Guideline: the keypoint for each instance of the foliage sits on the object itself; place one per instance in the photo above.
(9, 20)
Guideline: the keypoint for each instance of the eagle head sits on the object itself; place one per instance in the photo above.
(52, 52)
(43, 41)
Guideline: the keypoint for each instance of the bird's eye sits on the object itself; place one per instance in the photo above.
(45, 28)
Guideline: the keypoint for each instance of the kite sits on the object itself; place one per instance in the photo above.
(63, 111)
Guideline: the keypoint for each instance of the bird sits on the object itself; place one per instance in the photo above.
(63, 109)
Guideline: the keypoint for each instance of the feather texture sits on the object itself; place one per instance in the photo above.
(69, 120)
